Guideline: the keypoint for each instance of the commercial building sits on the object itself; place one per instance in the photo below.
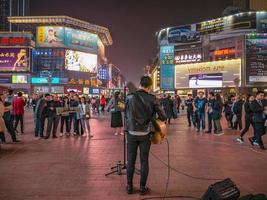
(54, 54)
(250, 5)
(226, 54)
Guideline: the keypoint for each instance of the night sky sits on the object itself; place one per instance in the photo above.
(133, 23)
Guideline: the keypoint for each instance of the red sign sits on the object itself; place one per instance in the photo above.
(223, 52)
(13, 41)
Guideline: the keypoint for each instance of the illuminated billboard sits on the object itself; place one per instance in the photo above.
(81, 40)
(211, 73)
(17, 79)
(206, 80)
(14, 59)
(80, 61)
(50, 36)
(57, 36)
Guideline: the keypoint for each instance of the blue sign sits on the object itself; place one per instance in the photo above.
(167, 71)
(81, 40)
(96, 91)
(37, 80)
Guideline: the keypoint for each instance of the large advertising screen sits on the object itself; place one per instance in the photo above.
(205, 80)
(80, 61)
(14, 59)
(212, 74)
(256, 59)
(57, 36)
(81, 40)
(180, 34)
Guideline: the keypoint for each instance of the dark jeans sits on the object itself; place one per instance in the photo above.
(10, 129)
(72, 120)
(238, 123)
(190, 117)
(144, 143)
(65, 120)
(52, 124)
(19, 118)
(210, 121)
(78, 125)
(229, 118)
(248, 122)
(259, 131)
(201, 120)
(39, 126)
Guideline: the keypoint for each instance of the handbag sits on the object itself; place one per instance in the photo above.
(234, 119)
(121, 105)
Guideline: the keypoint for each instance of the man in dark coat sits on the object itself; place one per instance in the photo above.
(259, 118)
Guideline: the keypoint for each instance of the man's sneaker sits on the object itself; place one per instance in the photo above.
(208, 131)
(256, 143)
(61, 135)
(240, 140)
(251, 141)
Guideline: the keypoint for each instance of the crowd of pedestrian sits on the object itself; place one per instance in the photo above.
(211, 108)
(70, 114)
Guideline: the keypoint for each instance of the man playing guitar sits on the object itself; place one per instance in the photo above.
(141, 109)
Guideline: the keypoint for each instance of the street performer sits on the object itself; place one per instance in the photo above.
(141, 108)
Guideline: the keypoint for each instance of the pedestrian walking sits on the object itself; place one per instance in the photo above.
(228, 105)
(116, 113)
(258, 107)
(200, 106)
(238, 112)
(217, 106)
(189, 110)
(65, 117)
(248, 118)
(211, 121)
(168, 108)
(18, 105)
(103, 103)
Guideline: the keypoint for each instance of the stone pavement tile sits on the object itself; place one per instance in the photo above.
(74, 168)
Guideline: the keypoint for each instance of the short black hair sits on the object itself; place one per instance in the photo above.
(259, 92)
(19, 94)
(211, 93)
(10, 91)
(146, 81)
(47, 94)
(189, 95)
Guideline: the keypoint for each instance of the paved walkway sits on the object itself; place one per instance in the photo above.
(74, 168)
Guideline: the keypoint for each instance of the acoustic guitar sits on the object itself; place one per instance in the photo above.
(160, 131)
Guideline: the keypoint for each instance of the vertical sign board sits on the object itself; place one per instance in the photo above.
(167, 67)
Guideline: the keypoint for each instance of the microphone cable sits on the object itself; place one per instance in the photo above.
(168, 179)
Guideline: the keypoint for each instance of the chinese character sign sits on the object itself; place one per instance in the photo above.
(167, 67)
(14, 59)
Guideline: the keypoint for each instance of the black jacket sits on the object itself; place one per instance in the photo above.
(238, 107)
(258, 109)
(141, 108)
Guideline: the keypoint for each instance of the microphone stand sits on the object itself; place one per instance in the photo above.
(122, 165)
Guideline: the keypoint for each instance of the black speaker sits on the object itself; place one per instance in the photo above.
(222, 190)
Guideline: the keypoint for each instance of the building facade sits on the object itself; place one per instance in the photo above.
(226, 54)
(55, 54)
